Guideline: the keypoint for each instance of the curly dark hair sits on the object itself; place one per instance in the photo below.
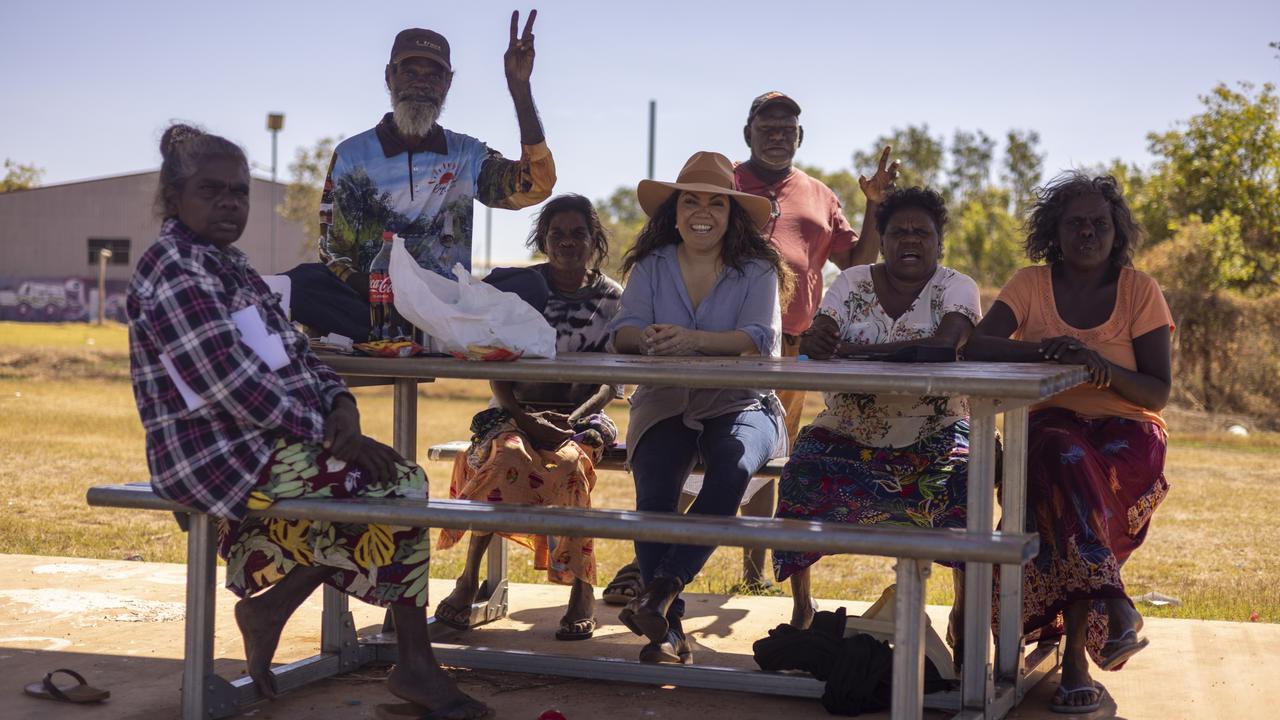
(184, 149)
(925, 199)
(1051, 202)
(570, 202)
(742, 242)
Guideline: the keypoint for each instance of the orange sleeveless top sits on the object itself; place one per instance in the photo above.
(1140, 308)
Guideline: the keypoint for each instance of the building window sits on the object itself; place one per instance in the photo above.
(119, 248)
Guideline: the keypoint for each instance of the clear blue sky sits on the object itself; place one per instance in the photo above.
(87, 87)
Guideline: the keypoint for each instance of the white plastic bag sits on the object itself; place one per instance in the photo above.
(466, 311)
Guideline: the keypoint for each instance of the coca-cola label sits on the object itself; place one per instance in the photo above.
(380, 288)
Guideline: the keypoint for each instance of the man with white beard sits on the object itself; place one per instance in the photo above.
(411, 176)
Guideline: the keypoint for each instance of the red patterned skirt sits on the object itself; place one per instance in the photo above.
(1092, 487)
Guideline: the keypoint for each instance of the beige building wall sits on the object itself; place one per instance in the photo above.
(44, 231)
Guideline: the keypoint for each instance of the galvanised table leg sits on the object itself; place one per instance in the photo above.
(976, 687)
(908, 640)
(204, 694)
(1013, 518)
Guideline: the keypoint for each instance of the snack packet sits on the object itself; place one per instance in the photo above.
(488, 353)
(390, 348)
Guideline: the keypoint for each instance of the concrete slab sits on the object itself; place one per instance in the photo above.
(120, 624)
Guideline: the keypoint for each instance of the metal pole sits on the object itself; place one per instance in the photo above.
(275, 123)
(103, 255)
(198, 654)
(907, 696)
(488, 239)
(653, 114)
(1013, 520)
(976, 682)
(274, 134)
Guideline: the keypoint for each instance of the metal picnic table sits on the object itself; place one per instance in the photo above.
(988, 689)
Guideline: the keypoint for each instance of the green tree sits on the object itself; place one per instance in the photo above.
(1226, 159)
(1204, 257)
(1023, 168)
(921, 154)
(983, 240)
(18, 176)
(622, 217)
(970, 172)
(302, 195)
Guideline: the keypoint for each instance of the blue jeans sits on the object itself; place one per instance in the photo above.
(733, 447)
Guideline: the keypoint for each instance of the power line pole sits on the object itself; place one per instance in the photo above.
(653, 114)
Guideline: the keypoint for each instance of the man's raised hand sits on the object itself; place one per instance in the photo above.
(518, 59)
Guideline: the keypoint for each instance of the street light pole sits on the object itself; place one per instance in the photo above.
(275, 123)
(103, 255)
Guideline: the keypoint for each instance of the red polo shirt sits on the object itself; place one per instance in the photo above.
(810, 226)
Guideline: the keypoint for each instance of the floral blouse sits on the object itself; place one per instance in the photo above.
(894, 420)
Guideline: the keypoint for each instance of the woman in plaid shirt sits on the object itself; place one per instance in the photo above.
(238, 412)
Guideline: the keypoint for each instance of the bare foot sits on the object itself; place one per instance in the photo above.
(1075, 676)
(1121, 618)
(435, 691)
(260, 627)
(582, 603)
(455, 609)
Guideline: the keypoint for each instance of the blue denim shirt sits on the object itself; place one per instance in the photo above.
(746, 301)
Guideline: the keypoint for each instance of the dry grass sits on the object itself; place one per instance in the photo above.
(67, 422)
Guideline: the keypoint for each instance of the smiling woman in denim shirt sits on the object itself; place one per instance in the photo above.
(702, 281)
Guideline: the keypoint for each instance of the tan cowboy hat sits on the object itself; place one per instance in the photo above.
(705, 172)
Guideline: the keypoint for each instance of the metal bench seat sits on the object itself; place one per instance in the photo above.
(206, 695)
(615, 458)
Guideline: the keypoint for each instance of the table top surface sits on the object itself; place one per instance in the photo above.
(1022, 381)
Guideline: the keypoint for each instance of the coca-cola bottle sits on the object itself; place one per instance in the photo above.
(382, 309)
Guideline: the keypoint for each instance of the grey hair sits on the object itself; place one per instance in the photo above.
(183, 150)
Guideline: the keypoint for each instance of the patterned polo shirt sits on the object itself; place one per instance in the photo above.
(425, 192)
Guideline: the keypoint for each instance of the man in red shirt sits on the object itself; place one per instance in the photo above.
(809, 228)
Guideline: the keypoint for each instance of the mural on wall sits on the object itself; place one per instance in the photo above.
(67, 299)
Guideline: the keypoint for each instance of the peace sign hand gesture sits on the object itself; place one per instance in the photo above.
(882, 182)
(518, 59)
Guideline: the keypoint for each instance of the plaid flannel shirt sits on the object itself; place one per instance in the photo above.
(180, 302)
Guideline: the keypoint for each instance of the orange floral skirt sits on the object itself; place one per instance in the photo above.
(503, 466)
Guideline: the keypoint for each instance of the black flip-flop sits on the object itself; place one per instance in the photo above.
(414, 711)
(82, 692)
(567, 631)
(1117, 652)
(625, 586)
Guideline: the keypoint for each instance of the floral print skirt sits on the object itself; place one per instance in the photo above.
(832, 477)
(380, 564)
(503, 466)
(1092, 487)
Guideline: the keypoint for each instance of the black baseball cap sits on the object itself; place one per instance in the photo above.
(416, 42)
(773, 97)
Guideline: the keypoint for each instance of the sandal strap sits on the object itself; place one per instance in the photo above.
(54, 690)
